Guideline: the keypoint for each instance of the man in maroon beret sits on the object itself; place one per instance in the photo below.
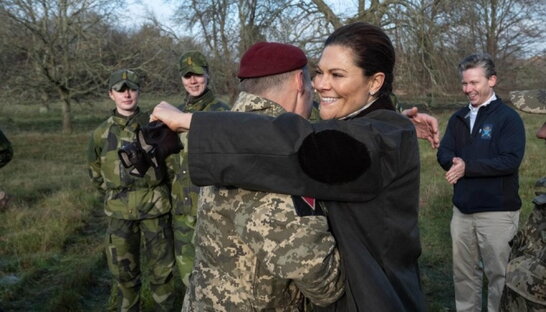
(264, 251)
(270, 58)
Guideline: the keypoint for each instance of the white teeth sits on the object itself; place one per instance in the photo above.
(328, 99)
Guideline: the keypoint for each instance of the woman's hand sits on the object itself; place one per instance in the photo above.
(425, 125)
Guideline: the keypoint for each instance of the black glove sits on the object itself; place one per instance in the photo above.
(154, 143)
(158, 141)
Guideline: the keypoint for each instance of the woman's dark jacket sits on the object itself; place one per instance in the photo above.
(365, 170)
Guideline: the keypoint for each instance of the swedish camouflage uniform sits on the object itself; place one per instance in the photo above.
(525, 288)
(184, 194)
(137, 208)
(259, 251)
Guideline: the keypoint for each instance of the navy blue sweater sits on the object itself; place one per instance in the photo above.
(492, 155)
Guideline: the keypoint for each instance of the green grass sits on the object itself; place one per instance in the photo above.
(51, 237)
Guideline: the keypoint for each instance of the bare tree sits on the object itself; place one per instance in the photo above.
(63, 42)
(423, 59)
(156, 57)
(64, 49)
(376, 12)
(505, 29)
(431, 36)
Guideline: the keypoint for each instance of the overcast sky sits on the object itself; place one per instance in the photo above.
(139, 10)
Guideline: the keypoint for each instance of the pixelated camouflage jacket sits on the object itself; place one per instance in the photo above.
(6, 150)
(526, 271)
(255, 253)
(126, 196)
(184, 193)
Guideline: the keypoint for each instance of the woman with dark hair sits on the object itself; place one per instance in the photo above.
(361, 162)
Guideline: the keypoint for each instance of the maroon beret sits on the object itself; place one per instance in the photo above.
(270, 58)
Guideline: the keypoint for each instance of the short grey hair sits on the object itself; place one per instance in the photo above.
(482, 60)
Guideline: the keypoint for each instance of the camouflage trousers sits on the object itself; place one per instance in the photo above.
(123, 252)
(511, 301)
(183, 228)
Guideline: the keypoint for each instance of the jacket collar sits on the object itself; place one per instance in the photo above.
(380, 103)
(198, 103)
(248, 102)
(491, 107)
(124, 121)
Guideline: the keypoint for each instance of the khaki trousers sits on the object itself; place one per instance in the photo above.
(480, 245)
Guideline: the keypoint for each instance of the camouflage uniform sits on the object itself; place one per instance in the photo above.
(525, 288)
(137, 208)
(6, 151)
(261, 251)
(184, 193)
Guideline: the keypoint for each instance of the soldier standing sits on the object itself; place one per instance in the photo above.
(138, 208)
(525, 288)
(195, 77)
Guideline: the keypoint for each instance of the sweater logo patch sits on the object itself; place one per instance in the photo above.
(486, 131)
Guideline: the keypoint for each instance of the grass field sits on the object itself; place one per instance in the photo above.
(51, 252)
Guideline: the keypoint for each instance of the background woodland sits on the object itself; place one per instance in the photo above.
(65, 49)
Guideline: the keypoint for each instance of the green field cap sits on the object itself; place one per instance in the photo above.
(123, 77)
(192, 62)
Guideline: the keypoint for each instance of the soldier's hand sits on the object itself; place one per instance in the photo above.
(171, 116)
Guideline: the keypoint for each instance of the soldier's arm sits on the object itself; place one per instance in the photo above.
(94, 164)
(295, 247)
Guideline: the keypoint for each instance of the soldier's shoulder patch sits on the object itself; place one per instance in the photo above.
(307, 206)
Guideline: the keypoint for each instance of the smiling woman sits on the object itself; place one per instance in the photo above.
(341, 84)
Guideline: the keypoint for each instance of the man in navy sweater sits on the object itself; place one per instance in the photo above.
(481, 151)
